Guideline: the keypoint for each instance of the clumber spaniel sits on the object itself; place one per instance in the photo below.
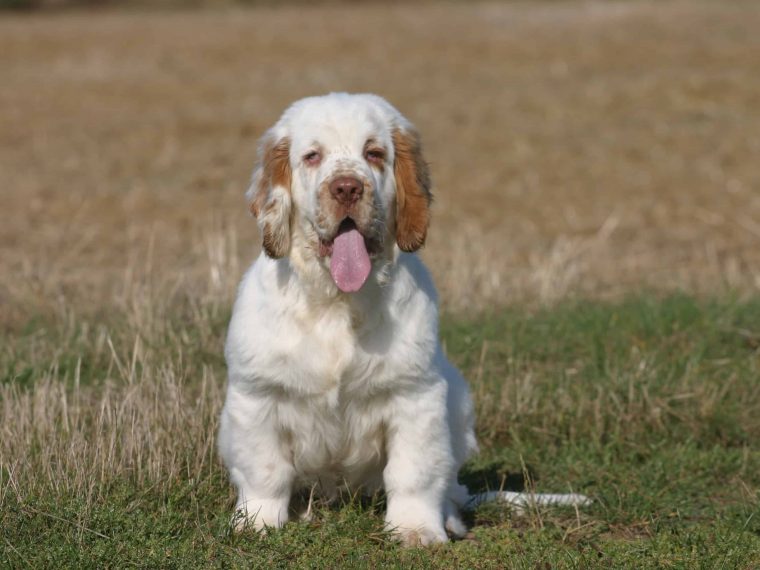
(336, 374)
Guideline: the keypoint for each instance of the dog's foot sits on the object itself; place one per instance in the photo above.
(455, 526)
(260, 515)
(412, 538)
(452, 522)
(415, 522)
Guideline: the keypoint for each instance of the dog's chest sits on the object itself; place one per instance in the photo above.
(329, 359)
(334, 437)
(335, 417)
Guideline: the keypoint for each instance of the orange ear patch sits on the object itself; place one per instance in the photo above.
(271, 199)
(274, 171)
(413, 196)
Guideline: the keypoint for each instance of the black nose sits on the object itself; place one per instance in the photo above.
(346, 190)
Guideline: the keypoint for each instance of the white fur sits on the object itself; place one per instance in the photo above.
(329, 388)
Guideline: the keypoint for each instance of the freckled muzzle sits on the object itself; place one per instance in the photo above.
(348, 215)
(346, 190)
(347, 194)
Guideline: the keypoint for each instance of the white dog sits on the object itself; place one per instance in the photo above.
(336, 374)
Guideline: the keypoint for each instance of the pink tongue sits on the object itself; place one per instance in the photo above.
(350, 263)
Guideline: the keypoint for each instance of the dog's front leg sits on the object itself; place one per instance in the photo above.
(419, 465)
(252, 447)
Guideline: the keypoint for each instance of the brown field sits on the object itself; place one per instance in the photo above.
(577, 148)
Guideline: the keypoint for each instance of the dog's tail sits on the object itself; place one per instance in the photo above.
(521, 500)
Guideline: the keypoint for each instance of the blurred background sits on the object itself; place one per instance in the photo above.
(581, 151)
(577, 148)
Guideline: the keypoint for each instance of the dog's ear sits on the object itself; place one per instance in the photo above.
(269, 195)
(413, 196)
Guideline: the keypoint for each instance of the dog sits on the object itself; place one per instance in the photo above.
(336, 373)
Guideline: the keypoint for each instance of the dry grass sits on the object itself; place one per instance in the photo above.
(132, 396)
(75, 441)
(581, 148)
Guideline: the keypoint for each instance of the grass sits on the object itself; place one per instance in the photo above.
(579, 150)
(650, 405)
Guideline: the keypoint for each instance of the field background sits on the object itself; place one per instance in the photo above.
(595, 163)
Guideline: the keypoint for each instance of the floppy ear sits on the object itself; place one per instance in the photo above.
(269, 195)
(413, 196)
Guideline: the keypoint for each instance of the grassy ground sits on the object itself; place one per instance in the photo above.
(580, 150)
(651, 406)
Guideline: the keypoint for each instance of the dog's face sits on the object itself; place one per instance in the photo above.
(340, 179)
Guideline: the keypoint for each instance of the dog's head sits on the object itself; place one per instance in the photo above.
(341, 181)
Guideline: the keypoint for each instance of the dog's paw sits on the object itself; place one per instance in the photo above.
(414, 537)
(452, 521)
(259, 516)
(415, 522)
(455, 526)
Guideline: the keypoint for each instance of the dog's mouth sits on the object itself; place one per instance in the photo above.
(349, 252)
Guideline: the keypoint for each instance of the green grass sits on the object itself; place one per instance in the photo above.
(651, 406)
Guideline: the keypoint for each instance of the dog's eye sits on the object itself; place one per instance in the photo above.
(375, 156)
(312, 158)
